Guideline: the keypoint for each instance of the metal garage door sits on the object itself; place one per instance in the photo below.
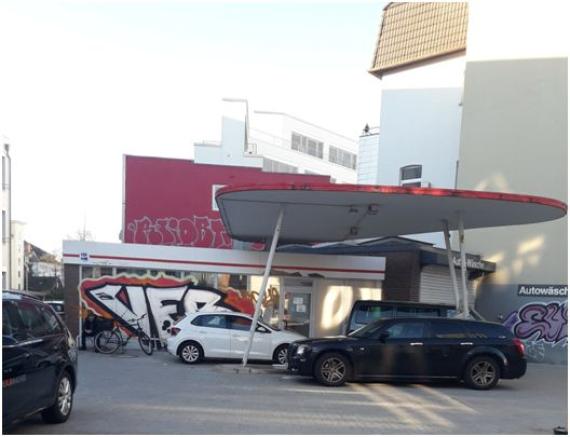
(436, 287)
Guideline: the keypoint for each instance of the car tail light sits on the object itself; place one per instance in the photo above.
(519, 345)
(174, 330)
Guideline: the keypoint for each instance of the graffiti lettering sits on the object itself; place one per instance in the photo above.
(163, 300)
(171, 231)
(538, 321)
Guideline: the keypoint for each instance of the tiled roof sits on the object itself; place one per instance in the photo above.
(412, 32)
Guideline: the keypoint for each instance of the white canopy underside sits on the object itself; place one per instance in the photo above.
(317, 213)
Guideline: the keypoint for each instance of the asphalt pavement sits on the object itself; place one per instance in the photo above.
(136, 394)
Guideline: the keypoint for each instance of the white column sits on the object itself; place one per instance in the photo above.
(451, 266)
(263, 285)
(463, 267)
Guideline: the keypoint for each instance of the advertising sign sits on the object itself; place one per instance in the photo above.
(545, 290)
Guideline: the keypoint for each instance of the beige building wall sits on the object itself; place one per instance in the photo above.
(333, 300)
(514, 138)
(514, 135)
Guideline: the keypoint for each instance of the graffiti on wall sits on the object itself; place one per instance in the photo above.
(172, 231)
(164, 300)
(542, 326)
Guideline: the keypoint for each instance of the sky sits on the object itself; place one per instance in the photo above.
(84, 82)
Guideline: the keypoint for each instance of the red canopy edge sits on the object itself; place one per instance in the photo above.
(388, 189)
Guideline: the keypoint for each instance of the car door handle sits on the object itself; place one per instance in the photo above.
(466, 343)
(416, 344)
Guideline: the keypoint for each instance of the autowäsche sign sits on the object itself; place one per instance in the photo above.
(543, 290)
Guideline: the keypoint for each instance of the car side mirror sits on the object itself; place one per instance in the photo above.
(8, 341)
(261, 329)
(383, 336)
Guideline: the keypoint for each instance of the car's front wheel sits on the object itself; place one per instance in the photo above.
(191, 352)
(482, 373)
(332, 369)
(59, 412)
(280, 355)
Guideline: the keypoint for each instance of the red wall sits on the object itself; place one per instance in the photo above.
(169, 201)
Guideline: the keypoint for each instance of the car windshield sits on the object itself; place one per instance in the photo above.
(366, 331)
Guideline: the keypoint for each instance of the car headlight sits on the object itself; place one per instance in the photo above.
(303, 349)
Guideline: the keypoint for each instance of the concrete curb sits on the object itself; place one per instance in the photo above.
(250, 369)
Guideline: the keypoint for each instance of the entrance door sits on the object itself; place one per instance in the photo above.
(297, 313)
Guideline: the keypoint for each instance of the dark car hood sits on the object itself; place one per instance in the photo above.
(325, 340)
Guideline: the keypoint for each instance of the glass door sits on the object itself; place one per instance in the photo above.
(297, 307)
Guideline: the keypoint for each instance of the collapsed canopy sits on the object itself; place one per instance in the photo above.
(331, 212)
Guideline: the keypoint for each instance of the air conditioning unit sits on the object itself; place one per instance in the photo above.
(418, 183)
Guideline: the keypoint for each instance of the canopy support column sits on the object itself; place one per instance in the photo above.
(451, 266)
(463, 266)
(264, 282)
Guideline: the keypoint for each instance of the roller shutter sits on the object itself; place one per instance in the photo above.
(436, 287)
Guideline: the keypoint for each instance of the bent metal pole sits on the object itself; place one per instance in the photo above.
(451, 266)
(261, 294)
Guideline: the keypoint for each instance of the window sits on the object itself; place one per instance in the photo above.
(411, 176)
(405, 311)
(480, 331)
(367, 313)
(307, 145)
(215, 189)
(448, 330)
(342, 157)
(210, 321)
(428, 312)
(271, 166)
(407, 330)
(28, 321)
(52, 325)
(6, 326)
(4, 174)
(239, 323)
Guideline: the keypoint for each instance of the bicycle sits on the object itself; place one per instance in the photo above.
(108, 341)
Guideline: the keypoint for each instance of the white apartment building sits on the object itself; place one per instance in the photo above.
(278, 142)
(18, 271)
(420, 60)
(6, 216)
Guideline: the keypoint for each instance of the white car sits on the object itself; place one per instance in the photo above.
(225, 335)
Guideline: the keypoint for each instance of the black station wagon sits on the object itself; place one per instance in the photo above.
(39, 361)
(478, 353)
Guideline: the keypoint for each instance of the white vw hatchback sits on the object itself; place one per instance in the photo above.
(225, 335)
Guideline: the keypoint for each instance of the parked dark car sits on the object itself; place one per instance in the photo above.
(368, 311)
(479, 353)
(39, 361)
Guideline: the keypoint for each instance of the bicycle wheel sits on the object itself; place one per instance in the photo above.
(145, 343)
(107, 342)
